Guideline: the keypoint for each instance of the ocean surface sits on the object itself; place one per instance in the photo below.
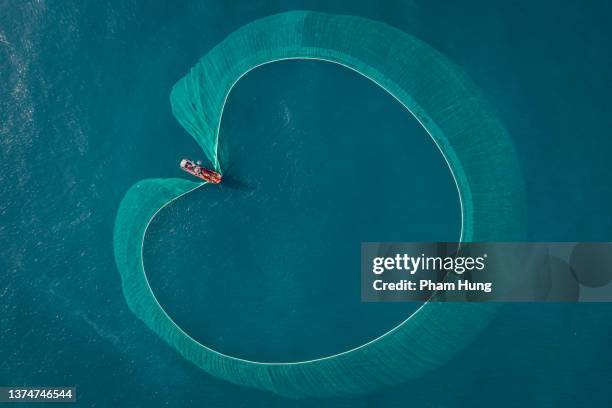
(266, 265)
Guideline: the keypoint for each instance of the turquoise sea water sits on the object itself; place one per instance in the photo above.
(276, 243)
(85, 114)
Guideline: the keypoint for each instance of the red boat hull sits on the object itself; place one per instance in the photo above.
(198, 171)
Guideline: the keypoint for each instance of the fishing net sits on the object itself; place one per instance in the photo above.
(473, 142)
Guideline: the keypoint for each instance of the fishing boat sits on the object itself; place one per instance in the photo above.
(195, 169)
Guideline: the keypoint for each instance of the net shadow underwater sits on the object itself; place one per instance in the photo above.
(474, 143)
